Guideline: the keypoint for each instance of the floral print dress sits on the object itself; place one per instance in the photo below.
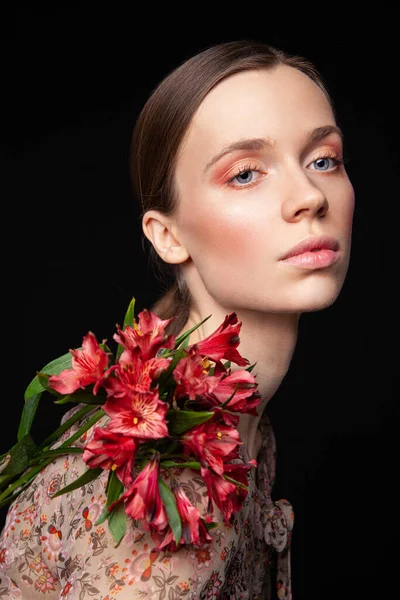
(51, 548)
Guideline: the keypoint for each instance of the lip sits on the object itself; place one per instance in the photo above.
(313, 252)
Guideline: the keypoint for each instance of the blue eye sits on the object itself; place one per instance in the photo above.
(326, 159)
(336, 162)
(244, 176)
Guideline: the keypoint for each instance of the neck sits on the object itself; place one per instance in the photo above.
(268, 339)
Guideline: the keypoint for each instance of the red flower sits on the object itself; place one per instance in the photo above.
(138, 415)
(109, 450)
(227, 496)
(218, 489)
(211, 442)
(148, 334)
(190, 515)
(245, 398)
(133, 374)
(191, 375)
(223, 342)
(142, 498)
(165, 539)
(88, 366)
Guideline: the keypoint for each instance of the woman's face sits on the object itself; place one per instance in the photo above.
(242, 209)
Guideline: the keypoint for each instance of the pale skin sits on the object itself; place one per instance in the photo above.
(229, 234)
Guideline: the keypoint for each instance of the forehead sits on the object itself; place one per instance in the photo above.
(282, 104)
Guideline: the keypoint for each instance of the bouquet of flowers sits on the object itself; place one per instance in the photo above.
(170, 406)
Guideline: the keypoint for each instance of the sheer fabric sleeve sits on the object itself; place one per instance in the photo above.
(25, 571)
(51, 547)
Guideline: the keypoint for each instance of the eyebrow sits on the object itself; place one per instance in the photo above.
(315, 135)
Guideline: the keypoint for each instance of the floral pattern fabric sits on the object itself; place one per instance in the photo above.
(51, 548)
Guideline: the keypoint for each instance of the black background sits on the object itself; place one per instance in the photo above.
(73, 85)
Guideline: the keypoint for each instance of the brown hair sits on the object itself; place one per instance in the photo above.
(159, 132)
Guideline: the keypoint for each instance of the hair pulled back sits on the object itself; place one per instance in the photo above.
(159, 132)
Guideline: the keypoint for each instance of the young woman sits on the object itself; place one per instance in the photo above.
(237, 160)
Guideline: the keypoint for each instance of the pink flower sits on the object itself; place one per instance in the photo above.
(148, 334)
(142, 498)
(109, 450)
(88, 366)
(211, 442)
(138, 415)
(223, 342)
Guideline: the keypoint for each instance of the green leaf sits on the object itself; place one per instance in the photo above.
(93, 419)
(251, 367)
(44, 382)
(20, 455)
(33, 471)
(28, 414)
(52, 368)
(66, 425)
(162, 380)
(230, 397)
(187, 333)
(130, 314)
(238, 483)
(169, 501)
(212, 525)
(128, 321)
(81, 399)
(180, 421)
(117, 522)
(86, 477)
(114, 491)
(190, 464)
(54, 453)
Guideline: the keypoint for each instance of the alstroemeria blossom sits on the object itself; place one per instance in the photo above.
(109, 450)
(193, 528)
(190, 515)
(210, 443)
(142, 498)
(224, 341)
(192, 376)
(165, 541)
(88, 366)
(218, 489)
(135, 443)
(245, 398)
(227, 496)
(140, 415)
(133, 374)
(148, 334)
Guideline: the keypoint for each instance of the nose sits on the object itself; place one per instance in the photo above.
(304, 200)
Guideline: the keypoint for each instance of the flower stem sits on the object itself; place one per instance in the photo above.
(56, 434)
(28, 476)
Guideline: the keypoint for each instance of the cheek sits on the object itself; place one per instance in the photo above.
(233, 235)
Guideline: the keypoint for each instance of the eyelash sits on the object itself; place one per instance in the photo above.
(249, 167)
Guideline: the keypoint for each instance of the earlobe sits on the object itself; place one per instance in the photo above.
(159, 230)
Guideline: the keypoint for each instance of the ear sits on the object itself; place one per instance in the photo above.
(160, 230)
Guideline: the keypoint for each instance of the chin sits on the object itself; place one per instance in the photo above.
(316, 297)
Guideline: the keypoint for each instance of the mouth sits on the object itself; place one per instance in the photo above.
(313, 253)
